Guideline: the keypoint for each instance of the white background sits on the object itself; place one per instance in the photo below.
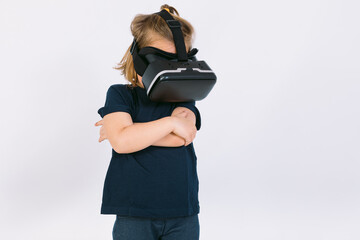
(278, 150)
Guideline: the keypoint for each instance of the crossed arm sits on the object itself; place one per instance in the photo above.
(115, 122)
(173, 140)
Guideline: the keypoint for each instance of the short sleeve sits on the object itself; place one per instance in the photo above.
(118, 99)
(192, 107)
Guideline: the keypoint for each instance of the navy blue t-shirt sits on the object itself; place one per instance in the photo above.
(155, 182)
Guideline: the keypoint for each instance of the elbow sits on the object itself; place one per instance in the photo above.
(120, 146)
(119, 150)
(179, 142)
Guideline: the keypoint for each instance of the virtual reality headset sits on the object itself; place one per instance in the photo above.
(169, 77)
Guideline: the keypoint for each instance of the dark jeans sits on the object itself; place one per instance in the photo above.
(136, 228)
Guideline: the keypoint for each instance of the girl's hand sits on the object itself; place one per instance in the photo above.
(182, 114)
(184, 127)
(102, 131)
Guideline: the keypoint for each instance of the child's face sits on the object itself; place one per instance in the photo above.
(163, 44)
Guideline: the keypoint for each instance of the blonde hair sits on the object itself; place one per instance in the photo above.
(143, 28)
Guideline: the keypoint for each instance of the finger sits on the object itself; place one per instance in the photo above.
(181, 113)
(103, 136)
(99, 122)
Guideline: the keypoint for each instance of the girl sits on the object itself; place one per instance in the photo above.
(151, 184)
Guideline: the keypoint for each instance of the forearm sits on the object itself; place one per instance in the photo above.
(170, 140)
(141, 135)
